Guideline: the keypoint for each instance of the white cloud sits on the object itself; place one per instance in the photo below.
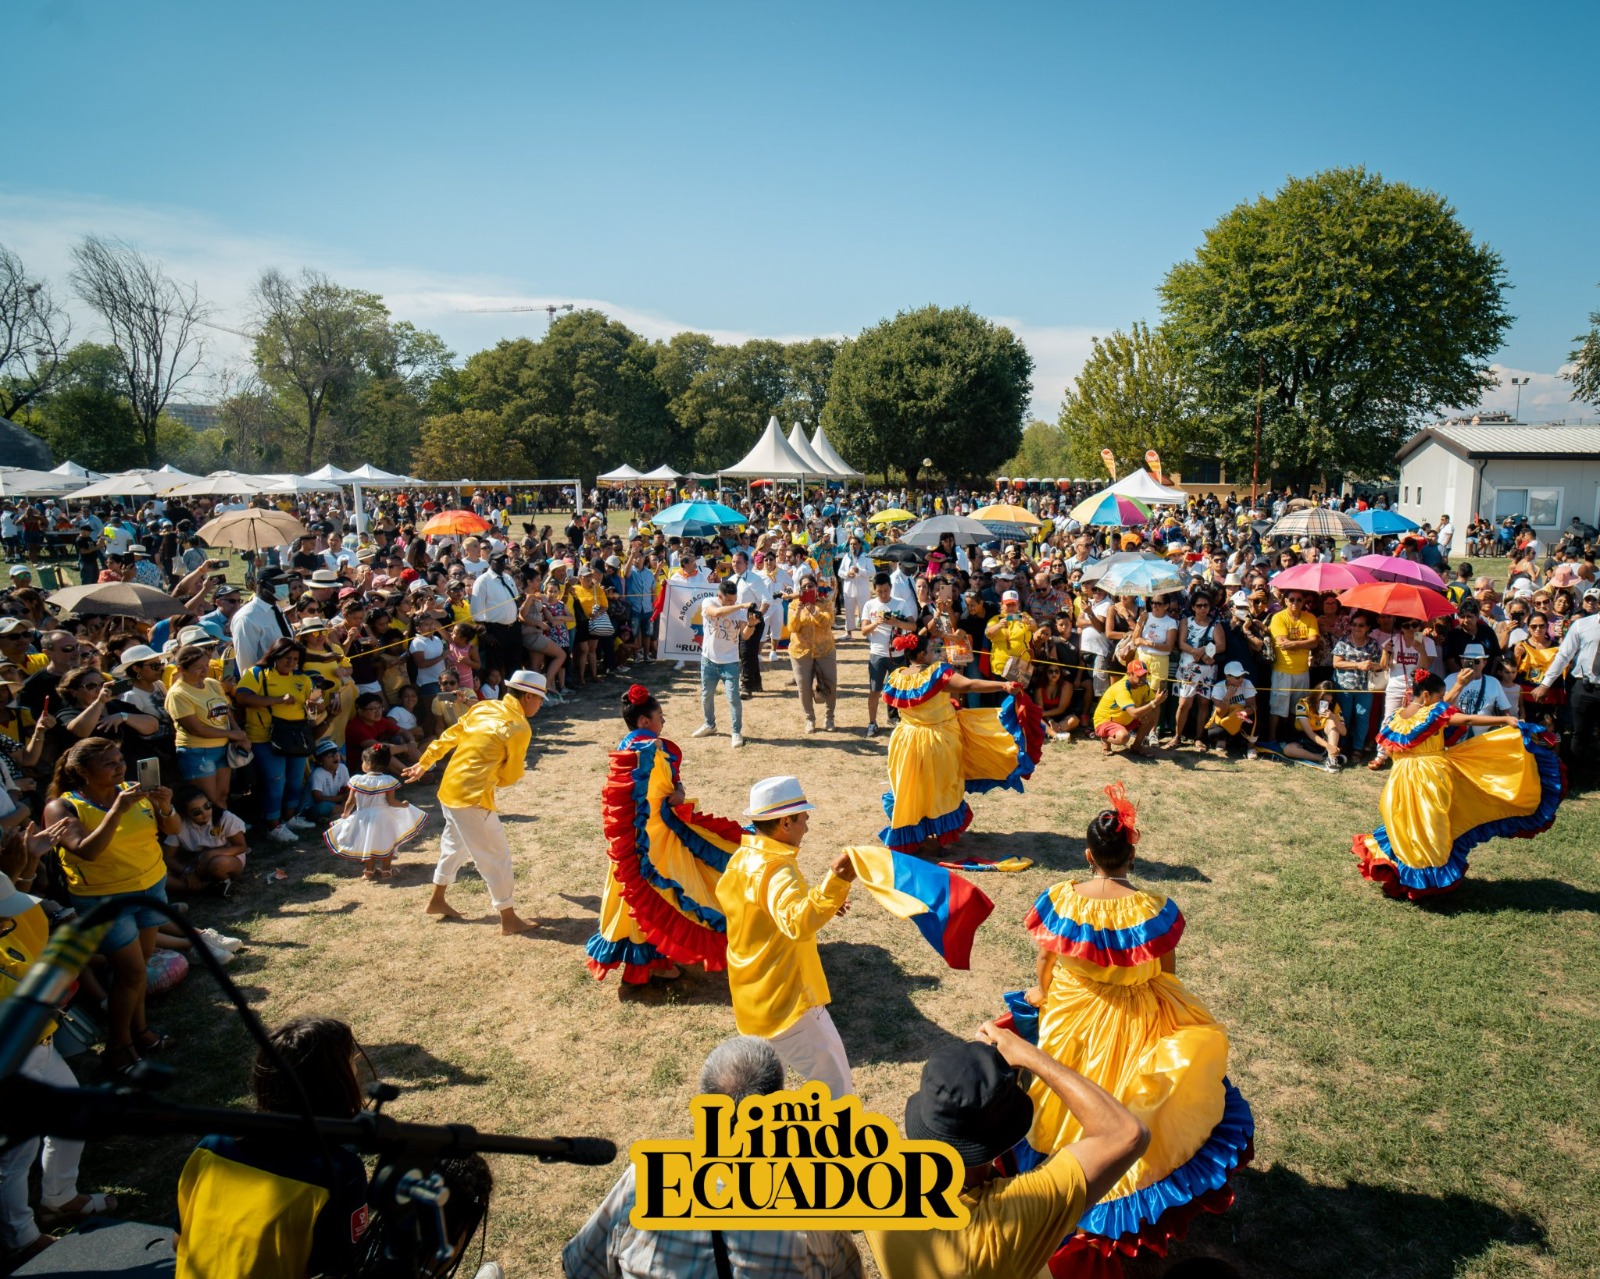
(1547, 397)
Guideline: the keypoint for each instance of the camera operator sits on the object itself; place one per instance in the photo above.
(266, 1208)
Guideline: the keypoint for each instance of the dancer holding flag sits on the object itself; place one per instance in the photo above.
(1111, 1007)
(938, 751)
(1440, 804)
(773, 917)
(659, 907)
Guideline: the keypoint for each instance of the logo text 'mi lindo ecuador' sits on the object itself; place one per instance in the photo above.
(795, 1161)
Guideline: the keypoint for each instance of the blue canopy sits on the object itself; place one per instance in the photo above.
(1377, 522)
(699, 513)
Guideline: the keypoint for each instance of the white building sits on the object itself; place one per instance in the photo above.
(1546, 474)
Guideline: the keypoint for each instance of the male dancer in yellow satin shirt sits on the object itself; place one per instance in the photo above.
(490, 745)
(773, 917)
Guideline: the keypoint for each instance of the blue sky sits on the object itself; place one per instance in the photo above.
(787, 170)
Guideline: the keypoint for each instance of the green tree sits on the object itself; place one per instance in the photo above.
(34, 332)
(87, 417)
(1132, 394)
(808, 367)
(1585, 372)
(1043, 453)
(727, 403)
(315, 340)
(1363, 305)
(471, 444)
(937, 383)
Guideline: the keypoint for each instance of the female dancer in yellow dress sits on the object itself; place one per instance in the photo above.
(938, 751)
(659, 908)
(1110, 1006)
(1440, 804)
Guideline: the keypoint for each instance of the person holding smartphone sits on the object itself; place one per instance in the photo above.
(726, 623)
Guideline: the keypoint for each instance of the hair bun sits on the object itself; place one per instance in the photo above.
(1419, 675)
(905, 643)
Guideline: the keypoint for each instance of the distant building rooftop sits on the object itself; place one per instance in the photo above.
(197, 417)
(1497, 436)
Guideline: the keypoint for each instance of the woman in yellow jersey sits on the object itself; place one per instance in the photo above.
(1110, 1006)
(1533, 657)
(1440, 804)
(938, 752)
(110, 847)
(282, 708)
(199, 707)
(326, 659)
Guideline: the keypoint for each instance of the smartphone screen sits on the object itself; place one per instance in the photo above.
(149, 773)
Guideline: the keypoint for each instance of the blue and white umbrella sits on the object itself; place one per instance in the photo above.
(1378, 522)
(699, 513)
(1141, 577)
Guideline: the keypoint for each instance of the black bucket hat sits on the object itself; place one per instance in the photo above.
(969, 1099)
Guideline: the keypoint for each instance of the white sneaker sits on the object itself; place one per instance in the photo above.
(282, 835)
(705, 730)
(220, 941)
(223, 957)
(301, 823)
(811, 726)
(737, 741)
(677, 666)
(490, 1270)
(1251, 753)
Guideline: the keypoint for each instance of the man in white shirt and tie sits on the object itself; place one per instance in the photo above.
(494, 607)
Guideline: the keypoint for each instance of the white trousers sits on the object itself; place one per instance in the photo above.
(59, 1183)
(813, 1050)
(475, 834)
(857, 591)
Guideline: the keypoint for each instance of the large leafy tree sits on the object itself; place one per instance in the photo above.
(1585, 372)
(1044, 452)
(1360, 306)
(938, 383)
(725, 405)
(33, 337)
(87, 417)
(808, 367)
(471, 444)
(1132, 394)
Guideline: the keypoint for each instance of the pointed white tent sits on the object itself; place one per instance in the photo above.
(73, 471)
(170, 470)
(284, 483)
(622, 475)
(367, 473)
(1142, 485)
(802, 450)
(217, 484)
(823, 448)
(663, 474)
(331, 473)
(138, 482)
(770, 459)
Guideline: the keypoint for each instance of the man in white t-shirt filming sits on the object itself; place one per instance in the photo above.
(881, 620)
(725, 624)
(1481, 693)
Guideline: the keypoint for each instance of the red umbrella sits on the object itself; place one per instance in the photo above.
(1398, 599)
(1391, 568)
(1321, 577)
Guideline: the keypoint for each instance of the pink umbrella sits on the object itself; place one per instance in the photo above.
(1321, 577)
(1391, 568)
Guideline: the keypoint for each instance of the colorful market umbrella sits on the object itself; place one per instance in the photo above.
(1101, 567)
(1321, 577)
(1316, 521)
(1391, 568)
(700, 513)
(894, 515)
(454, 524)
(1398, 599)
(1005, 513)
(1112, 509)
(1141, 577)
(1378, 522)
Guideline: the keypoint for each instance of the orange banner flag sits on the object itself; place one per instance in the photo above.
(1109, 458)
(1152, 459)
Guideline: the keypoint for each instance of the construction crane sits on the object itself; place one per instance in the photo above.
(550, 309)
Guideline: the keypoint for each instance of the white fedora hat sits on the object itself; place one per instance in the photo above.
(775, 797)
(527, 682)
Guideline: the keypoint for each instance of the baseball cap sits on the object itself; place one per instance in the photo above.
(1234, 669)
(1010, 597)
(1137, 669)
(20, 570)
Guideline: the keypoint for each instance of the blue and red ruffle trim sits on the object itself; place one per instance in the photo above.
(946, 829)
(1399, 880)
(1020, 717)
(1108, 947)
(929, 687)
(1431, 723)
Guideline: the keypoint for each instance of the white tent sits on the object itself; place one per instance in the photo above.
(217, 484)
(139, 482)
(281, 483)
(1142, 485)
(802, 450)
(331, 473)
(623, 474)
(367, 473)
(18, 481)
(770, 459)
(823, 448)
(73, 471)
(170, 469)
(663, 474)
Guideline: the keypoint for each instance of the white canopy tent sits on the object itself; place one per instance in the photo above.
(802, 450)
(73, 471)
(823, 448)
(1142, 485)
(623, 474)
(170, 469)
(19, 481)
(139, 482)
(217, 484)
(329, 471)
(283, 483)
(663, 474)
(770, 459)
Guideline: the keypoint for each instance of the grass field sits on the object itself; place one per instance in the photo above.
(1422, 1078)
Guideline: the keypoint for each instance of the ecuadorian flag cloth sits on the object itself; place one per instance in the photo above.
(946, 908)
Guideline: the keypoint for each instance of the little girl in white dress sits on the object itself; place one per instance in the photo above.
(376, 820)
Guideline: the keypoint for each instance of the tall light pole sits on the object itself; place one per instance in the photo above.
(1519, 383)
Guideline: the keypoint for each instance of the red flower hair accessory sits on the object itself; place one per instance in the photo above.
(637, 695)
(1123, 807)
(904, 643)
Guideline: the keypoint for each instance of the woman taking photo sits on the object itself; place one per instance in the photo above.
(206, 726)
(110, 847)
(88, 709)
(281, 707)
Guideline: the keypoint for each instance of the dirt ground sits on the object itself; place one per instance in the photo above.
(515, 1036)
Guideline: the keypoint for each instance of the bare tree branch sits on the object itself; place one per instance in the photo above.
(34, 332)
(152, 320)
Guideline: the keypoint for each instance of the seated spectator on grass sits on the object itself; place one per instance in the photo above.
(208, 849)
(404, 715)
(454, 701)
(369, 724)
(1319, 729)
(330, 782)
(608, 1246)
